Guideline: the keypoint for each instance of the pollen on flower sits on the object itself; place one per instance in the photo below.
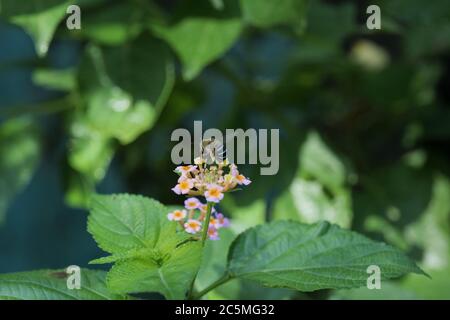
(211, 181)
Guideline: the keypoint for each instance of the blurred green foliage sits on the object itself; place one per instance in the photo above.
(364, 115)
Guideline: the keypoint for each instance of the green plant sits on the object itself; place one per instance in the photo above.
(363, 118)
(154, 250)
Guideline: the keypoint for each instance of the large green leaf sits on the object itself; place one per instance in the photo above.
(20, 152)
(198, 41)
(274, 12)
(312, 257)
(39, 18)
(52, 285)
(149, 254)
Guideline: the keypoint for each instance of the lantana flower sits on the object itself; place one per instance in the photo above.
(214, 193)
(192, 226)
(242, 180)
(183, 186)
(211, 181)
(212, 233)
(192, 203)
(184, 170)
(177, 215)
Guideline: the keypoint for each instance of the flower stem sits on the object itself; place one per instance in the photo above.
(209, 207)
(226, 277)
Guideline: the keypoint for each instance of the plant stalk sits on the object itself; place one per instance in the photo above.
(209, 207)
(226, 277)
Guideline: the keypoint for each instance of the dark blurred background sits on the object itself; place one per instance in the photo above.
(364, 119)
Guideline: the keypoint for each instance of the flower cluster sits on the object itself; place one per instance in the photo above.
(210, 182)
(193, 217)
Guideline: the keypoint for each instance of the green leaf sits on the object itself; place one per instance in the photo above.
(431, 231)
(55, 79)
(435, 288)
(130, 86)
(38, 18)
(308, 202)
(150, 255)
(274, 12)
(52, 285)
(90, 151)
(20, 152)
(318, 191)
(311, 257)
(318, 161)
(114, 24)
(199, 41)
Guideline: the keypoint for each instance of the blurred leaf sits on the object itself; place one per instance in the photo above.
(308, 202)
(112, 113)
(52, 285)
(311, 257)
(218, 4)
(55, 79)
(199, 41)
(244, 216)
(78, 189)
(432, 230)
(39, 18)
(318, 162)
(274, 12)
(113, 24)
(130, 86)
(391, 234)
(318, 191)
(20, 152)
(426, 29)
(436, 288)
(398, 193)
(90, 151)
(144, 244)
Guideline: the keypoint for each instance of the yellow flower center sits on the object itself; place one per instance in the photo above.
(178, 214)
(193, 224)
(184, 185)
(214, 192)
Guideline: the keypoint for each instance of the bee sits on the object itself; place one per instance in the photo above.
(212, 150)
